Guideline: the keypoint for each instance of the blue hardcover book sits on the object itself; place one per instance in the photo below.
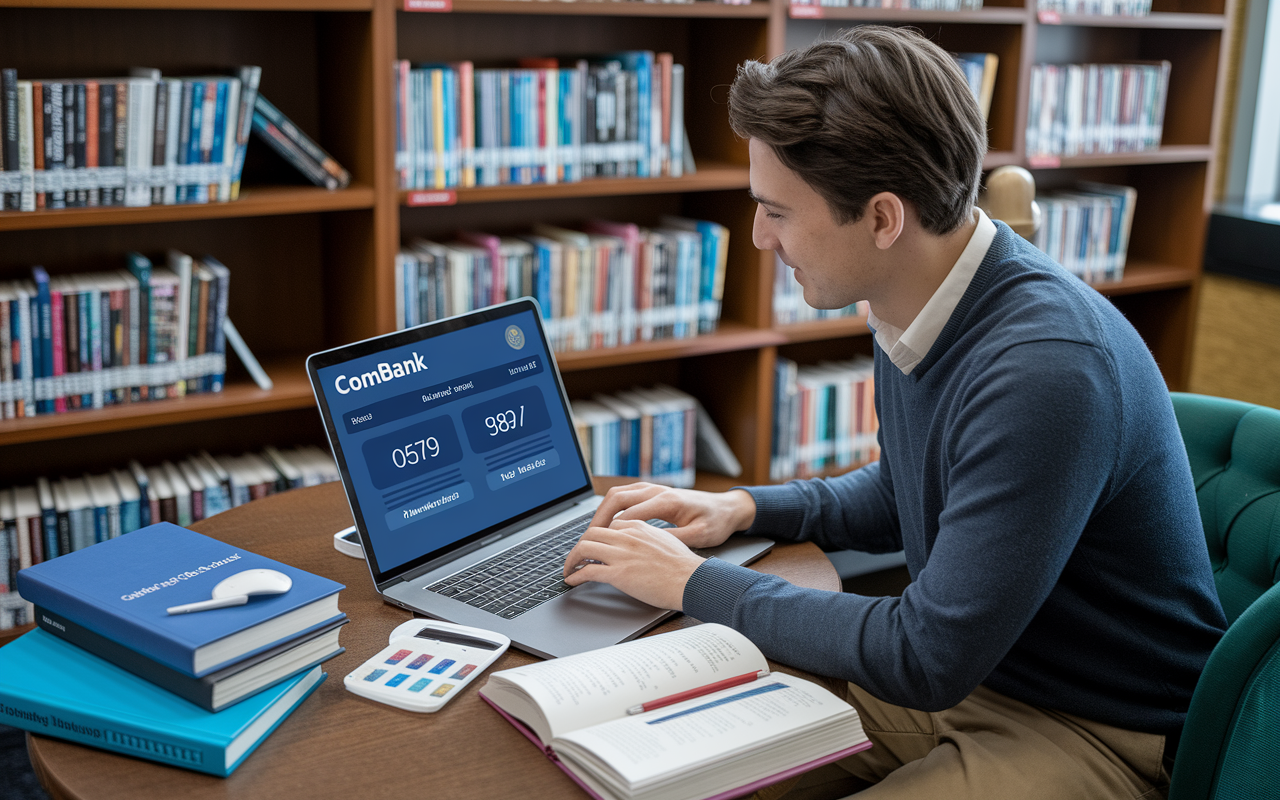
(53, 688)
(197, 132)
(215, 155)
(44, 303)
(122, 588)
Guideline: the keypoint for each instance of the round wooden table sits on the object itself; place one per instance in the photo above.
(337, 745)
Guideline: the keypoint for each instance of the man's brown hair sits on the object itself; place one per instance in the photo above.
(877, 109)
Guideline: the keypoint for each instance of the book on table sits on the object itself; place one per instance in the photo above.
(53, 688)
(121, 589)
(220, 688)
(729, 743)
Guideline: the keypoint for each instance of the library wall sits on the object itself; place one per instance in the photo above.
(1237, 341)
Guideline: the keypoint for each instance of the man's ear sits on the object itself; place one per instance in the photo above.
(887, 216)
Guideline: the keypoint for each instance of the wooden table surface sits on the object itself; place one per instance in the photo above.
(338, 745)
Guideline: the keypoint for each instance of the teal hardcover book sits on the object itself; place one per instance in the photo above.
(122, 588)
(53, 688)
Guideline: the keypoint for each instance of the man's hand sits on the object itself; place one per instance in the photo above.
(648, 563)
(702, 519)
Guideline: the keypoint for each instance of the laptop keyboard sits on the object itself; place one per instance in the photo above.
(522, 578)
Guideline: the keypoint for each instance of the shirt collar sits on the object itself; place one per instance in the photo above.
(906, 349)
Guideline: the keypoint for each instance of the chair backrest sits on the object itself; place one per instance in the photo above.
(1231, 743)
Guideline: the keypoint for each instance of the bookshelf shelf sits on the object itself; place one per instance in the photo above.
(604, 8)
(292, 390)
(315, 269)
(262, 201)
(987, 16)
(708, 178)
(1207, 22)
(1170, 154)
(1146, 276)
(728, 338)
(825, 329)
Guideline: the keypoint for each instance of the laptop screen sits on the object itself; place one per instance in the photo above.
(447, 432)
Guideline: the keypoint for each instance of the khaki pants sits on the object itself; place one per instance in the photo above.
(991, 747)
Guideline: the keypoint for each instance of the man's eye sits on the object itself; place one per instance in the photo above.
(772, 215)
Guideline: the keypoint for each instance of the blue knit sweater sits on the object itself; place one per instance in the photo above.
(1033, 471)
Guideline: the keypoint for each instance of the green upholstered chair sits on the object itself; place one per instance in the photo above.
(1230, 746)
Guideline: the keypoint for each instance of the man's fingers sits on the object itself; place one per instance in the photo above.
(591, 572)
(621, 497)
(586, 550)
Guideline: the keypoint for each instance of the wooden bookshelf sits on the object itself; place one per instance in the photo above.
(313, 269)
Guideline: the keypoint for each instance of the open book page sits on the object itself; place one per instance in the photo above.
(717, 742)
(564, 694)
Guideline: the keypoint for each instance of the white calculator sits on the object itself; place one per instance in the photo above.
(426, 664)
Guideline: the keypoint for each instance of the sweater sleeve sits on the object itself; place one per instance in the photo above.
(854, 511)
(1027, 457)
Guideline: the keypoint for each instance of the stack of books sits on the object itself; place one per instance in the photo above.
(55, 517)
(98, 339)
(1084, 109)
(1087, 230)
(141, 140)
(618, 115)
(647, 434)
(605, 285)
(824, 418)
(789, 306)
(110, 668)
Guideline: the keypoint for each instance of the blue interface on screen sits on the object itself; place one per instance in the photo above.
(451, 435)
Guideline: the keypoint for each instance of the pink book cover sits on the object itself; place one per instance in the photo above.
(629, 233)
(741, 791)
(491, 243)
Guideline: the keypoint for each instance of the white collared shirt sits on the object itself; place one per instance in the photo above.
(906, 349)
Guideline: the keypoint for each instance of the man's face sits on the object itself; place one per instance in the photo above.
(835, 263)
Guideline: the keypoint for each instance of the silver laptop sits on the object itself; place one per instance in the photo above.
(467, 483)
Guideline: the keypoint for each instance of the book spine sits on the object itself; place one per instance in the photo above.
(288, 149)
(249, 79)
(193, 690)
(160, 139)
(82, 143)
(106, 137)
(53, 144)
(121, 148)
(12, 201)
(304, 143)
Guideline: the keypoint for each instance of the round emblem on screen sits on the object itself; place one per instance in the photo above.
(515, 337)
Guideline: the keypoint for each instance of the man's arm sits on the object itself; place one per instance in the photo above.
(1028, 463)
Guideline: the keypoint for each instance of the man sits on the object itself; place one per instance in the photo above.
(1061, 605)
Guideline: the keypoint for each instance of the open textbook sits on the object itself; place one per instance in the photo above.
(720, 745)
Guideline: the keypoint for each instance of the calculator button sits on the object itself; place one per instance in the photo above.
(397, 680)
(373, 676)
(420, 684)
(442, 690)
(419, 662)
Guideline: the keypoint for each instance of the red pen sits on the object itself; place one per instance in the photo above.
(699, 692)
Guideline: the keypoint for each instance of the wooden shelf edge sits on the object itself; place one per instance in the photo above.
(709, 178)
(824, 329)
(1171, 154)
(292, 390)
(1147, 276)
(607, 8)
(729, 338)
(1184, 21)
(254, 202)
(990, 16)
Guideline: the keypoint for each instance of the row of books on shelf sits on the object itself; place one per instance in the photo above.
(1087, 230)
(55, 517)
(141, 140)
(110, 666)
(1082, 109)
(789, 306)
(545, 122)
(919, 5)
(1107, 8)
(608, 284)
(104, 338)
(824, 418)
(980, 72)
